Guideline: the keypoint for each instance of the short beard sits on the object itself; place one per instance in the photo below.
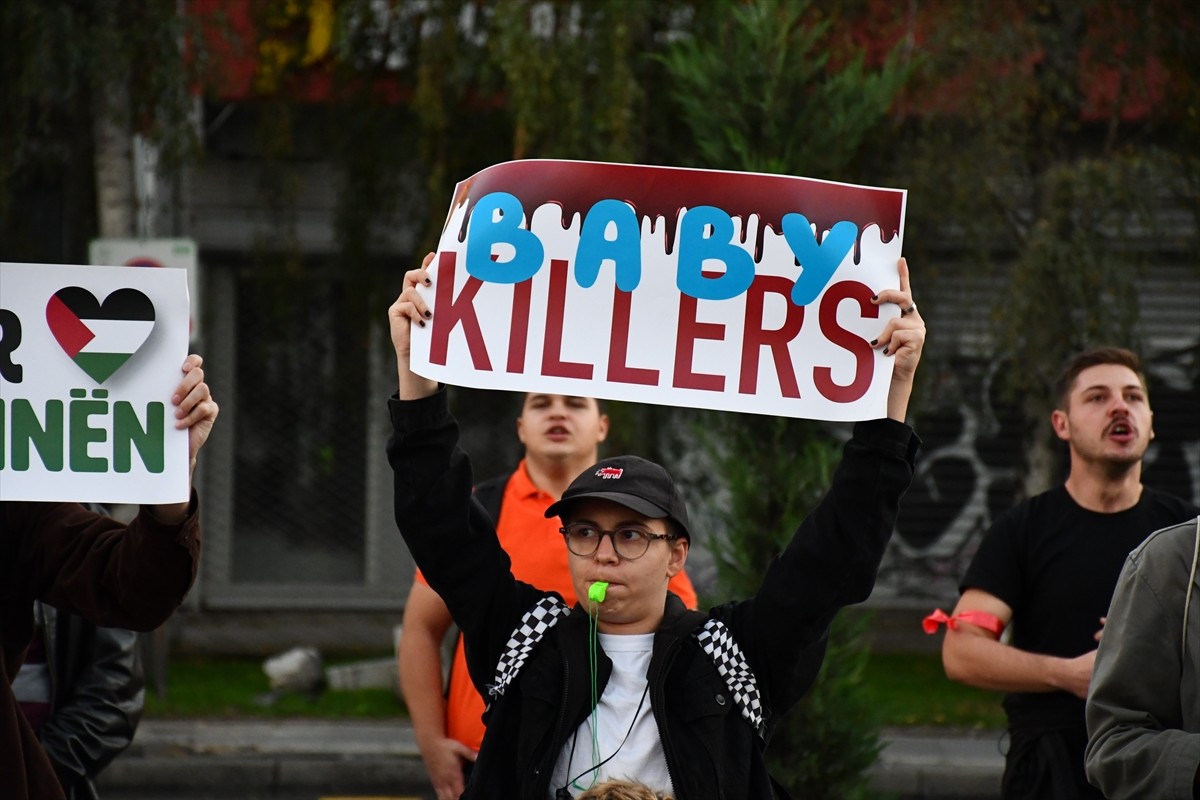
(1117, 468)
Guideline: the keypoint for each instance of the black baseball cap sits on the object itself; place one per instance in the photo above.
(632, 482)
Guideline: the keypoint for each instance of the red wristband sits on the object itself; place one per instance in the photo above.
(989, 622)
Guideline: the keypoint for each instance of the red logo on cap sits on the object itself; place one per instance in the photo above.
(609, 472)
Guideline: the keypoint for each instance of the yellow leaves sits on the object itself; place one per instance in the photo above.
(274, 56)
(320, 31)
(299, 35)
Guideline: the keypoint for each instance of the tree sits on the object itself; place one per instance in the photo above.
(571, 78)
(770, 86)
(763, 86)
(77, 82)
(1041, 139)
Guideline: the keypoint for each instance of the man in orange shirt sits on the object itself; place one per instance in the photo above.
(562, 436)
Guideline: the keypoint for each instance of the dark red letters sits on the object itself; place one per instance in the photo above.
(518, 328)
(755, 336)
(864, 371)
(688, 332)
(556, 308)
(454, 310)
(618, 345)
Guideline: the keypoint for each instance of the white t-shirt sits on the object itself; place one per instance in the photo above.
(641, 757)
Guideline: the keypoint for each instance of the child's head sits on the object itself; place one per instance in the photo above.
(621, 790)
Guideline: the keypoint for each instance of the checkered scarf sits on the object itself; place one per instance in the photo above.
(716, 640)
(544, 615)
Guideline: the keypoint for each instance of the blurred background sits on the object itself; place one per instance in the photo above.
(307, 151)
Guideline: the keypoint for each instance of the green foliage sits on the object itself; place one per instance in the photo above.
(456, 114)
(774, 471)
(1181, 60)
(911, 689)
(825, 747)
(57, 56)
(233, 687)
(61, 64)
(905, 689)
(1056, 308)
(762, 89)
(570, 76)
(1018, 162)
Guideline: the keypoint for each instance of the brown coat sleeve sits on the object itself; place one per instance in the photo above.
(128, 576)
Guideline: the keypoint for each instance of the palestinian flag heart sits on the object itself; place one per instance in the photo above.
(100, 337)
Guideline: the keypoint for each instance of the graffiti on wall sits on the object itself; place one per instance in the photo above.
(970, 469)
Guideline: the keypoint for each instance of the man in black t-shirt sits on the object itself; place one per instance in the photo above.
(1050, 566)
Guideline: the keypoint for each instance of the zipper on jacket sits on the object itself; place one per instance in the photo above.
(656, 702)
(48, 631)
(548, 765)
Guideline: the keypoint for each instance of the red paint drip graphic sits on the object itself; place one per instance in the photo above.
(575, 186)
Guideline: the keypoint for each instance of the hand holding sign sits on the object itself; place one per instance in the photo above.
(195, 408)
(903, 338)
(196, 411)
(410, 307)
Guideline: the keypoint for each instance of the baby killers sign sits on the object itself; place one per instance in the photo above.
(721, 290)
(89, 357)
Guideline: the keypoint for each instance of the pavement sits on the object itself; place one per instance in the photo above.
(290, 758)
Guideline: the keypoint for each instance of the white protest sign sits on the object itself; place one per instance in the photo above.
(697, 288)
(89, 359)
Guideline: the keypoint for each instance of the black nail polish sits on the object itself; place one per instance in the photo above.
(428, 282)
(428, 314)
(885, 351)
(874, 297)
(421, 322)
(874, 342)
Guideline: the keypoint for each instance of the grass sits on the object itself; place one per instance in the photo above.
(913, 691)
(233, 687)
(908, 690)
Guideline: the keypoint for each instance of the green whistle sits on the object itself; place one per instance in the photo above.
(597, 591)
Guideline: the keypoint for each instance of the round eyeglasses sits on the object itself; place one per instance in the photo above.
(629, 541)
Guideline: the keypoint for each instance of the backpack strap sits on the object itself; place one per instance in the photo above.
(544, 615)
(533, 625)
(490, 494)
(718, 643)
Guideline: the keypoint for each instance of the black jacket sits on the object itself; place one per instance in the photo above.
(131, 575)
(97, 695)
(711, 750)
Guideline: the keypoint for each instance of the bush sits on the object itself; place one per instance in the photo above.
(773, 472)
(824, 747)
